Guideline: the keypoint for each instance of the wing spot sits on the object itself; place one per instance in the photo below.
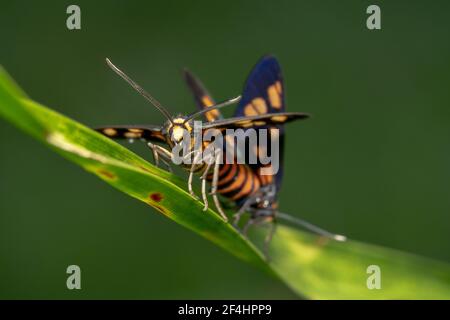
(249, 110)
(131, 135)
(245, 123)
(279, 87)
(256, 107)
(207, 101)
(274, 97)
(213, 114)
(110, 132)
(279, 118)
(259, 105)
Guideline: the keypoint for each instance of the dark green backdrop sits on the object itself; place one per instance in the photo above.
(373, 163)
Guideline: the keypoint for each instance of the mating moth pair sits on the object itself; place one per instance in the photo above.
(250, 186)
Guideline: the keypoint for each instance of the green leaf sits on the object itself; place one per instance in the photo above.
(311, 266)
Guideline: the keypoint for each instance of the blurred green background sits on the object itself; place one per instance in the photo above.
(373, 163)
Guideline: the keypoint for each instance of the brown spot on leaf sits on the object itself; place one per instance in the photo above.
(106, 174)
(159, 208)
(156, 196)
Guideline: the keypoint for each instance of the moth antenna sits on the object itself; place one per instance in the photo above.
(311, 227)
(139, 89)
(216, 106)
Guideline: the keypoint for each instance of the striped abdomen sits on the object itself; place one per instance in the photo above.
(236, 181)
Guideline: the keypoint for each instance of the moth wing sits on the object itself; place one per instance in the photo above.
(201, 95)
(146, 132)
(264, 93)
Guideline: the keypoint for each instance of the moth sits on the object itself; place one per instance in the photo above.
(248, 185)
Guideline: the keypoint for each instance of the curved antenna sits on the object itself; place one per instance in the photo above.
(216, 106)
(311, 227)
(139, 89)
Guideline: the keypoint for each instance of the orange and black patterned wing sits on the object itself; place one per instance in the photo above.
(146, 132)
(264, 93)
(202, 97)
(258, 121)
(263, 90)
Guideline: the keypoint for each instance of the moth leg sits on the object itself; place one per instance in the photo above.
(237, 216)
(252, 199)
(251, 222)
(203, 178)
(161, 154)
(154, 152)
(256, 198)
(189, 154)
(269, 237)
(191, 174)
(214, 183)
(165, 156)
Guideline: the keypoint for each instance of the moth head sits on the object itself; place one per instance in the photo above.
(178, 130)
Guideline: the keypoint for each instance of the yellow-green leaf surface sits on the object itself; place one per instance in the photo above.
(311, 266)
